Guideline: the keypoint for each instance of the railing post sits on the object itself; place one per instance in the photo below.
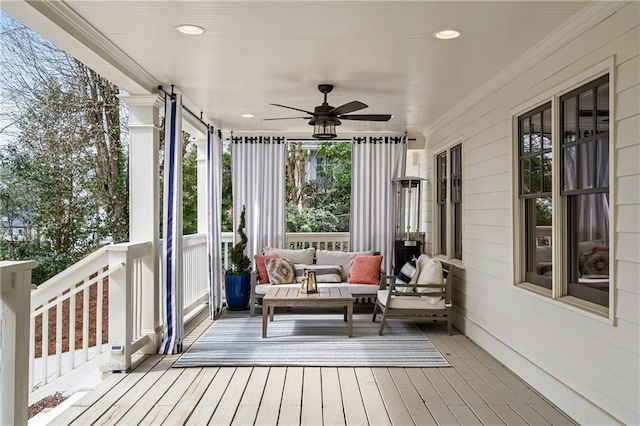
(15, 306)
(120, 309)
(144, 207)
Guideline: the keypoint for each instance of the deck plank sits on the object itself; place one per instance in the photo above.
(433, 400)
(354, 413)
(226, 409)
(272, 398)
(398, 412)
(332, 408)
(371, 398)
(250, 403)
(465, 416)
(444, 388)
(291, 406)
(191, 396)
(411, 397)
(207, 405)
(311, 397)
(472, 398)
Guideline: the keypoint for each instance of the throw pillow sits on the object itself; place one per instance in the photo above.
(295, 256)
(405, 276)
(430, 273)
(280, 271)
(365, 269)
(261, 267)
(342, 258)
(324, 273)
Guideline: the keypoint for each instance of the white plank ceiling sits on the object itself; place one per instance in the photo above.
(253, 53)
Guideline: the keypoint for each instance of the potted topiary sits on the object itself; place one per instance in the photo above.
(237, 279)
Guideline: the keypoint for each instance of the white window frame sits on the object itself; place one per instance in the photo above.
(558, 293)
(436, 237)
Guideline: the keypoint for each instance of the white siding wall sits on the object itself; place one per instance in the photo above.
(587, 366)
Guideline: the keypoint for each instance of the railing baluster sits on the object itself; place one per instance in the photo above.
(58, 340)
(45, 347)
(99, 299)
(85, 325)
(72, 331)
(32, 350)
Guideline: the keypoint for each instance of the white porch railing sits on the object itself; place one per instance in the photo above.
(68, 336)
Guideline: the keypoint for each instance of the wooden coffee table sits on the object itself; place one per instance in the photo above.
(336, 297)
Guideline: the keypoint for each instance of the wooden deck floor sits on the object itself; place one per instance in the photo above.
(476, 390)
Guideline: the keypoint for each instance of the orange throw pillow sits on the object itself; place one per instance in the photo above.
(365, 269)
(261, 267)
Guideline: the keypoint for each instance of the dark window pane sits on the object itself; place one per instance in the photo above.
(603, 108)
(586, 114)
(590, 247)
(570, 173)
(525, 137)
(536, 132)
(538, 248)
(546, 129)
(586, 164)
(526, 175)
(602, 163)
(443, 191)
(569, 120)
(546, 171)
(536, 174)
(457, 231)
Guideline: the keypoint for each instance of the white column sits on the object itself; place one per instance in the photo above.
(201, 144)
(144, 204)
(15, 307)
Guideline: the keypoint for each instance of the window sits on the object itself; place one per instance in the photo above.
(535, 158)
(582, 177)
(584, 121)
(449, 202)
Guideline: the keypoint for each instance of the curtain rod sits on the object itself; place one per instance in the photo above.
(163, 90)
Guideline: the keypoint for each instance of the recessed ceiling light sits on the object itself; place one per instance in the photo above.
(190, 29)
(247, 116)
(447, 34)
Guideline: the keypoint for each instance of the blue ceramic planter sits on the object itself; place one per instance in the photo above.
(237, 288)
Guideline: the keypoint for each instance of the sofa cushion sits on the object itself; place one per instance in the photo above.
(295, 256)
(261, 267)
(365, 269)
(324, 273)
(356, 289)
(342, 258)
(280, 271)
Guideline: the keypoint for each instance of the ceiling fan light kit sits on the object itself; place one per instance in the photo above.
(325, 118)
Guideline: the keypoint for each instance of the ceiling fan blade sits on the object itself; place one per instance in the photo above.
(349, 107)
(367, 117)
(297, 109)
(286, 118)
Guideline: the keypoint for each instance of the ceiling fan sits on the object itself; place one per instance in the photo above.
(325, 118)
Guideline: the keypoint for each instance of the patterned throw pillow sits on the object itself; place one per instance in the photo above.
(365, 270)
(406, 274)
(280, 271)
(324, 273)
(261, 267)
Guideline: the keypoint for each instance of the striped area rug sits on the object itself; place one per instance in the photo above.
(312, 340)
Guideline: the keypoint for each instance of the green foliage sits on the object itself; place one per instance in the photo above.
(327, 200)
(190, 191)
(310, 219)
(240, 262)
(227, 192)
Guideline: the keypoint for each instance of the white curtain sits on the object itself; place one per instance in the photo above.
(376, 161)
(258, 176)
(214, 210)
(172, 286)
